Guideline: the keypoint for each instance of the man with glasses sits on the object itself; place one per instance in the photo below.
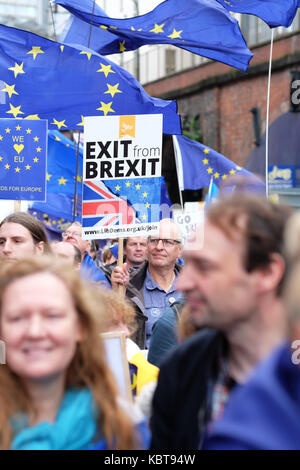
(152, 287)
(88, 269)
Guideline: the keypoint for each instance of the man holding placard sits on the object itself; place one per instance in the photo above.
(152, 288)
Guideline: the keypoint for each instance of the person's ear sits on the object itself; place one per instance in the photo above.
(40, 248)
(270, 276)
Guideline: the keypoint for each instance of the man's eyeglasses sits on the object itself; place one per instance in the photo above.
(167, 242)
(71, 234)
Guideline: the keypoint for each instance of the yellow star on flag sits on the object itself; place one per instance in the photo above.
(18, 128)
(28, 131)
(106, 69)
(145, 194)
(216, 175)
(138, 186)
(209, 171)
(238, 168)
(32, 116)
(88, 54)
(112, 90)
(59, 124)
(36, 139)
(62, 48)
(118, 188)
(147, 205)
(205, 161)
(27, 167)
(103, 26)
(62, 180)
(1, 138)
(38, 149)
(14, 110)
(128, 184)
(224, 177)
(106, 108)
(17, 170)
(78, 178)
(122, 46)
(158, 28)
(17, 69)
(48, 176)
(206, 151)
(7, 130)
(35, 159)
(35, 51)
(144, 217)
(7, 166)
(175, 34)
(82, 121)
(1, 158)
(10, 89)
(232, 172)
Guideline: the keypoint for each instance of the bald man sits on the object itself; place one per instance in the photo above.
(152, 288)
(68, 252)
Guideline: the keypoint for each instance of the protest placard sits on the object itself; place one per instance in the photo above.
(188, 220)
(121, 176)
(23, 162)
(115, 349)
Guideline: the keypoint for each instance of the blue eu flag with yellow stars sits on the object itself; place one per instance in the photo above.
(62, 163)
(23, 150)
(57, 211)
(203, 27)
(42, 79)
(273, 12)
(198, 165)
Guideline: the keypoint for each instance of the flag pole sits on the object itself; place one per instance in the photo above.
(179, 170)
(76, 175)
(79, 134)
(268, 114)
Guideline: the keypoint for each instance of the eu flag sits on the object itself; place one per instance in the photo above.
(42, 79)
(61, 168)
(23, 150)
(198, 164)
(273, 12)
(203, 27)
(57, 211)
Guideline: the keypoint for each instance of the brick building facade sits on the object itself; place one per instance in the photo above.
(223, 97)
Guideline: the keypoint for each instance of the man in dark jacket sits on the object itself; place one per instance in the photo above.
(231, 283)
(152, 288)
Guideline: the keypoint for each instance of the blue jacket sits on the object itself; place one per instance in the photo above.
(90, 272)
(164, 334)
(263, 414)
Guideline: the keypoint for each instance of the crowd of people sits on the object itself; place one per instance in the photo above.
(211, 331)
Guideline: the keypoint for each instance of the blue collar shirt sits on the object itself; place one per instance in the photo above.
(156, 301)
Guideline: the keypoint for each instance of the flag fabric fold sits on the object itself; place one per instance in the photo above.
(58, 209)
(273, 12)
(42, 79)
(203, 27)
(199, 166)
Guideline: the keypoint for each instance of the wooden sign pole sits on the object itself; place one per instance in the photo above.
(120, 262)
(17, 206)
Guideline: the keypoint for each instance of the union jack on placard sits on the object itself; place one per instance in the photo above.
(100, 207)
